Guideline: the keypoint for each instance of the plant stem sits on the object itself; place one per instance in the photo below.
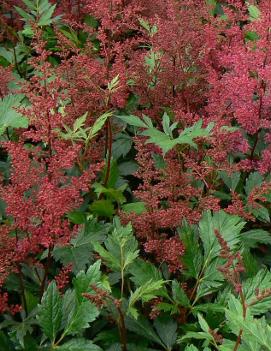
(109, 142)
(22, 287)
(122, 330)
(46, 270)
(239, 338)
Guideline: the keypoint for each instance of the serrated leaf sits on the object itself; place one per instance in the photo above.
(179, 295)
(167, 330)
(159, 161)
(46, 17)
(121, 146)
(133, 121)
(83, 314)
(79, 122)
(26, 16)
(83, 280)
(203, 324)
(253, 237)
(143, 271)
(121, 248)
(79, 345)
(254, 180)
(261, 213)
(229, 227)
(159, 138)
(136, 207)
(166, 125)
(128, 168)
(192, 258)
(98, 124)
(8, 116)
(143, 328)
(113, 84)
(50, 311)
(261, 281)
(104, 208)
(231, 180)
(79, 251)
(144, 293)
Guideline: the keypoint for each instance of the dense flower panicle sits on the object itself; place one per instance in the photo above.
(167, 250)
(63, 277)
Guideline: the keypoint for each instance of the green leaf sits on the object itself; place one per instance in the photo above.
(121, 146)
(191, 348)
(110, 193)
(143, 271)
(159, 138)
(253, 237)
(203, 324)
(179, 295)
(50, 311)
(83, 314)
(144, 293)
(30, 4)
(159, 161)
(254, 330)
(192, 258)
(127, 168)
(8, 116)
(211, 279)
(26, 16)
(166, 125)
(261, 281)
(133, 121)
(231, 180)
(167, 330)
(103, 208)
(79, 251)
(261, 213)
(254, 12)
(69, 304)
(136, 207)
(98, 124)
(46, 18)
(252, 36)
(111, 86)
(254, 180)
(229, 227)
(80, 122)
(120, 250)
(83, 280)
(188, 134)
(79, 345)
(196, 335)
(143, 328)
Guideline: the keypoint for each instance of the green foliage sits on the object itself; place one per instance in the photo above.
(79, 252)
(9, 117)
(120, 250)
(50, 312)
(165, 140)
(144, 293)
(80, 133)
(39, 12)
